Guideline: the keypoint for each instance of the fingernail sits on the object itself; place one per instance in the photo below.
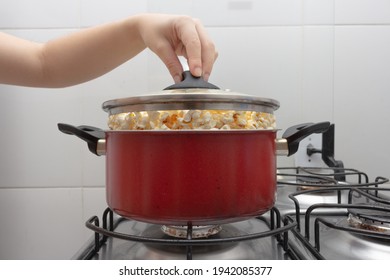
(198, 72)
(206, 77)
(177, 79)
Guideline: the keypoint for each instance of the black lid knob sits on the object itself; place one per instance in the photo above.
(190, 81)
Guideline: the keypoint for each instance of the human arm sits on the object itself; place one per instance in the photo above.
(92, 52)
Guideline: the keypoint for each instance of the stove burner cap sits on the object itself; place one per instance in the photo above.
(370, 219)
(197, 231)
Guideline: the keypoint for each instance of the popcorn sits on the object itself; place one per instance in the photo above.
(191, 120)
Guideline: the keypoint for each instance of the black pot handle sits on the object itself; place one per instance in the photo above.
(89, 134)
(190, 81)
(296, 133)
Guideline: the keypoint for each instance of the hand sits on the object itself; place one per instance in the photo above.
(172, 36)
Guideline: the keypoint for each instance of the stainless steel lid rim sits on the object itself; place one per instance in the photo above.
(196, 101)
(194, 131)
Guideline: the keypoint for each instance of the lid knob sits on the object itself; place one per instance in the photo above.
(190, 81)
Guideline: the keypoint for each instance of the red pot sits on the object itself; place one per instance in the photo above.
(199, 176)
(203, 177)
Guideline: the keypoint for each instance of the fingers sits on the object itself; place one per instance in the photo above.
(189, 44)
(199, 48)
(208, 51)
(173, 36)
(169, 57)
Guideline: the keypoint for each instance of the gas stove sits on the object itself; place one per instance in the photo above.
(328, 212)
(347, 220)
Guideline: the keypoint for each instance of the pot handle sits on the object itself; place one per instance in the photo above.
(95, 137)
(295, 134)
(190, 81)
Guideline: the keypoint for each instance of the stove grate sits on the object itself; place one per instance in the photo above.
(102, 233)
(363, 196)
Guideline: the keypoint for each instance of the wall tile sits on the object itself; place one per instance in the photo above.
(18, 14)
(362, 99)
(35, 153)
(362, 11)
(170, 6)
(318, 12)
(42, 223)
(234, 12)
(318, 64)
(95, 12)
(248, 12)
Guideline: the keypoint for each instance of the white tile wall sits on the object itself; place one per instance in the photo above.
(323, 60)
(362, 96)
(26, 14)
(235, 12)
(96, 12)
(248, 12)
(362, 11)
(317, 80)
(317, 12)
(32, 143)
(170, 6)
(40, 223)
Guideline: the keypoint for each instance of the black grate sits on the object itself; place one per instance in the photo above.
(108, 229)
(364, 198)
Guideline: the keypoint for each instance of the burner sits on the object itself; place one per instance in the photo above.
(370, 219)
(319, 179)
(309, 189)
(197, 231)
(314, 182)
